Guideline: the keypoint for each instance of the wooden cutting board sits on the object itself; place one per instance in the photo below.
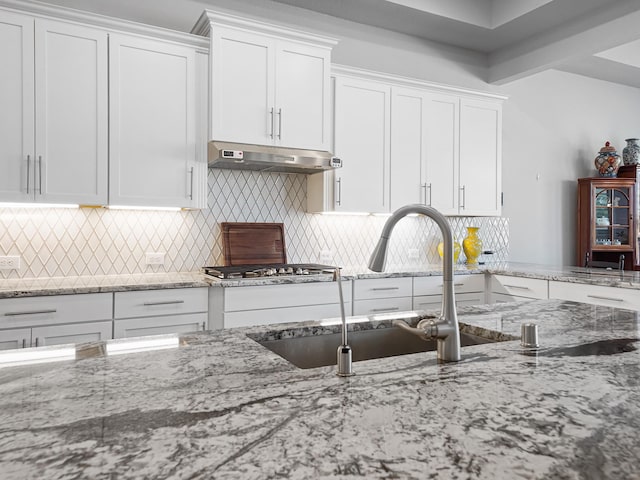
(253, 243)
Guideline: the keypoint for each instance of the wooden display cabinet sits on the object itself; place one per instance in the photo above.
(606, 223)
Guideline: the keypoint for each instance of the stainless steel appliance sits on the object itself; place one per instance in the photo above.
(273, 270)
(242, 156)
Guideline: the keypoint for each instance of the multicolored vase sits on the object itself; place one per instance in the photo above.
(608, 161)
(472, 245)
(631, 153)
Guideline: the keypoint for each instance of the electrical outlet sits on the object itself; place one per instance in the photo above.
(326, 256)
(10, 262)
(155, 258)
(413, 254)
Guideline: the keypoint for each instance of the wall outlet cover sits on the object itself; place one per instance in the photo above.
(154, 258)
(326, 256)
(11, 262)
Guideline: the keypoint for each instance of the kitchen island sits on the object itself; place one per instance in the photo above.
(220, 405)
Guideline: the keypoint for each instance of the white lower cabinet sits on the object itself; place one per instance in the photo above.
(427, 291)
(56, 335)
(138, 327)
(54, 320)
(382, 295)
(595, 294)
(154, 312)
(505, 288)
(267, 304)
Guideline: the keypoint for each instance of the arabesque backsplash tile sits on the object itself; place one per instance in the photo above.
(87, 241)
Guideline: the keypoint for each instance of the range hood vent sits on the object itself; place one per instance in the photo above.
(242, 156)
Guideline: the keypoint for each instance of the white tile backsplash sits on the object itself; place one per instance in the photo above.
(88, 241)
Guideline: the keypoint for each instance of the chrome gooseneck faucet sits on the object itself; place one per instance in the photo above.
(445, 328)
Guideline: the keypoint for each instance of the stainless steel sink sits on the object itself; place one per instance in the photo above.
(320, 350)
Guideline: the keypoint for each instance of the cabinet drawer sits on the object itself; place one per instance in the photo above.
(55, 309)
(521, 287)
(595, 294)
(506, 298)
(278, 296)
(372, 288)
(283, 315)
(434, 302)
(149, 303)
(382, 305)
(461, 283)
(137, 327)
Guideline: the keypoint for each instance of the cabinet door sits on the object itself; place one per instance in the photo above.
(408, 148)
(302, 96)
(242, 87)
(71, 114)
(15, 338)
(137, 327)
(74, 333)
(480, 157)
(152, 122)
(362, 133)
(442, 128)
(16, 107)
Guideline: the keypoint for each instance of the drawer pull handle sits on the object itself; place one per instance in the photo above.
(517, 287)
(170, 302)
(606, 298)
(382, 289)
(390, 309)
(33, 312)
(455, 285)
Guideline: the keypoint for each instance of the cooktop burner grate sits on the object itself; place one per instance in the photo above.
(272, 270)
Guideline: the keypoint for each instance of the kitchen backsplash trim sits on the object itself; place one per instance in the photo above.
(89, 241)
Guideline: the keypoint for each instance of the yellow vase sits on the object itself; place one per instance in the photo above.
(472, 245)
(456, 250)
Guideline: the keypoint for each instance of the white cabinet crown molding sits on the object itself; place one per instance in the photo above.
(229, 20)
(397, 80)
(95, 20)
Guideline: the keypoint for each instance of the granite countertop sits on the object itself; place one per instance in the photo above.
(626, 279)
(222, 406)
(31, 287)
(28, 287)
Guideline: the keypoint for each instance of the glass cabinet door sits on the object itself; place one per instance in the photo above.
(613, 217)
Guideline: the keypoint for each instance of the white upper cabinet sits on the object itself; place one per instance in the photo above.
(53, 121)
(361, 139)
(408, 147)
(17, 114)
(480, 157)
(442, 152)
(153, 116)
(269, 85)
(407, 142)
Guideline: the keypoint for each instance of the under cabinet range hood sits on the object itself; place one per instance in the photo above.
(242, 156)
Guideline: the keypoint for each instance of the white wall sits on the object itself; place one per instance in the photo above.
(554, 125)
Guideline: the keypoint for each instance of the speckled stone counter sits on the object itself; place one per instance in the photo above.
(626, 279)
(30, 287)
(222, 406)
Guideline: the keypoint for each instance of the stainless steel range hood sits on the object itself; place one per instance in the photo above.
(241, 156)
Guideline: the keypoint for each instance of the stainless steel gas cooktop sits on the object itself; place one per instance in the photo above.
(273, 270)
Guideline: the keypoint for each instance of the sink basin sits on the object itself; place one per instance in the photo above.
(320, 350)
